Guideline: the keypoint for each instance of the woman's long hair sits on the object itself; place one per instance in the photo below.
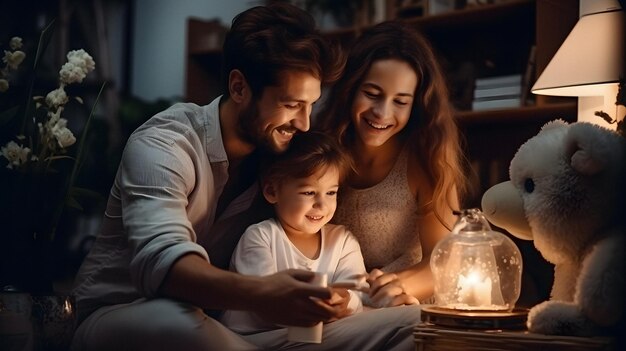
(431, 129)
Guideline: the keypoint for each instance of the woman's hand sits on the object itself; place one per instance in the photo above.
(339, 300)
(387, 290)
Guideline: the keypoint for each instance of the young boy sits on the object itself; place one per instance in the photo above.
(302, 186)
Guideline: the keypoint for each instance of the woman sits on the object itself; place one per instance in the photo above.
(391, 110)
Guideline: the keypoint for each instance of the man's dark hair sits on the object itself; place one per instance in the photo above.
(265, 41)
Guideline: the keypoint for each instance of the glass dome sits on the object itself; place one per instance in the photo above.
(476, 268)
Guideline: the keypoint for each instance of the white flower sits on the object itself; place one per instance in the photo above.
(15, 43)
(13, 59)
(62, 134)
(83, 59)
(54, 116)
(70, 73)
(51, 134)
(16, 154)
(79, 64)
(56, 98)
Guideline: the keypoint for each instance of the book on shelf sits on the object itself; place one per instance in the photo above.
(498, 92)
(504, 90)
(508, 88)
(498, 81)
(436, 7)
(527, 82)
(498, 103)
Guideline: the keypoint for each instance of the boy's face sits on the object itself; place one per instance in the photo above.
(281, 111)
(305, 205)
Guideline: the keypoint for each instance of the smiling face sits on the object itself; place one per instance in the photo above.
(280, 111)
(383, 102)
(305, 205)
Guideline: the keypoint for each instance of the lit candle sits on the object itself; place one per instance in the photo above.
(67, 306)
(474, 291)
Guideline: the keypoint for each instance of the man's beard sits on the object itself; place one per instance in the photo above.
(248, 129)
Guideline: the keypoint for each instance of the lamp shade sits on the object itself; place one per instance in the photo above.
(592, 56)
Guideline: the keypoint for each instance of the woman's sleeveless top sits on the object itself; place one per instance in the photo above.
(383, 218)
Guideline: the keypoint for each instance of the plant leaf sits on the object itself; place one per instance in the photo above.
(71, 202)
(76, 167)
(605, 116)
(44, 40)
(58, 157)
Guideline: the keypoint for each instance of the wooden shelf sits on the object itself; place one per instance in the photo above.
(203, 60)
(203, 51)
(526, 114)
(476, 15)
(204, 37)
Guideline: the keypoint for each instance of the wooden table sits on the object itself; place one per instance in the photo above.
(431, 337)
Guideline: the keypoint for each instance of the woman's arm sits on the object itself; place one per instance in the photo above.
(431, 228)
(417, 280)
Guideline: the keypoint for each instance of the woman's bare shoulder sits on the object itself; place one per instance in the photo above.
(420, 184)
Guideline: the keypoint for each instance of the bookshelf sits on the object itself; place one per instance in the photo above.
(472, 42)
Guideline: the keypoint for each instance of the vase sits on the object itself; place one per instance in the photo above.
(32, 322)
(16, 330)
(27, 249)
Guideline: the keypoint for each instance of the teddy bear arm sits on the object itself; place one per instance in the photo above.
(559, 318)
(565, 278)
(601, 287)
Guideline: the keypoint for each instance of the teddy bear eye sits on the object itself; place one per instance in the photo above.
(529, 185)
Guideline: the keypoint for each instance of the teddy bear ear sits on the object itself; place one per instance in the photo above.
(557, 123)
(586, 149)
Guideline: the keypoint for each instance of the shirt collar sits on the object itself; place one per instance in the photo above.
(214, 144)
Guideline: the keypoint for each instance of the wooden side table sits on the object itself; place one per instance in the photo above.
(431, 337)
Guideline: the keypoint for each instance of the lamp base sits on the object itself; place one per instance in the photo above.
(512, 320)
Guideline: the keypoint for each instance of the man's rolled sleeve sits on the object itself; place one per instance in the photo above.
(158, 175)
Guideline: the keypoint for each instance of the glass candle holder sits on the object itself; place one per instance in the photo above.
(475, 267)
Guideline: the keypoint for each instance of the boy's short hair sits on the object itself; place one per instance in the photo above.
(308, 153)
(265, 41)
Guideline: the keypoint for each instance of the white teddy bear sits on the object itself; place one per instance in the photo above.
(567, 194)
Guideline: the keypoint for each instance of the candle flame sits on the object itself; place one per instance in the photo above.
(67, 306)
(474, 290)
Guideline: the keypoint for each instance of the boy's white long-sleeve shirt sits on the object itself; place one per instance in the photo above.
(265, 249)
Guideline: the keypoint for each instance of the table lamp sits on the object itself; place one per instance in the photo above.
(590, 62)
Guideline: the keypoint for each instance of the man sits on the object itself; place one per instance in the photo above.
(182, 180)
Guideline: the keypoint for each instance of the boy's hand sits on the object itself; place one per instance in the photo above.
(339, 302)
